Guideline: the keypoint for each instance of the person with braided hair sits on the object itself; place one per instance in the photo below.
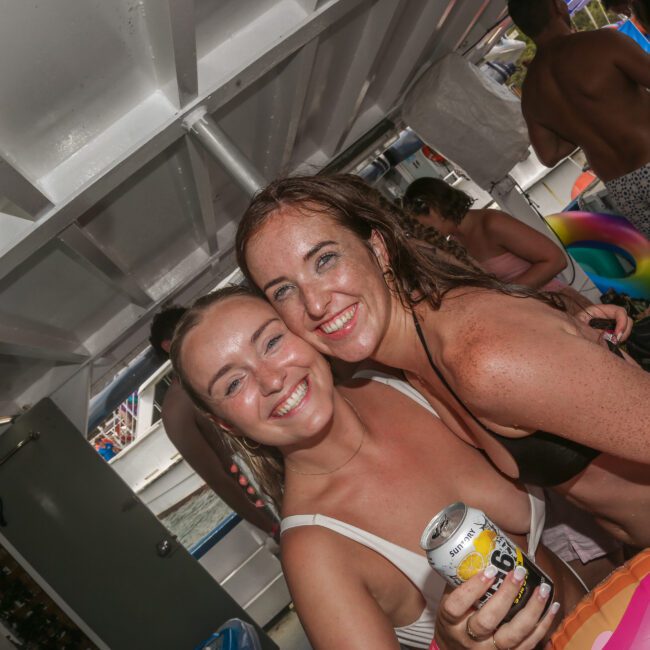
(502, 245)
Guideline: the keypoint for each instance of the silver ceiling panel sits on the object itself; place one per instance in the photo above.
(145, 225)
(58, 290)
(108, 208)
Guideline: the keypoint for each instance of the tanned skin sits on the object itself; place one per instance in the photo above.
(588, 90)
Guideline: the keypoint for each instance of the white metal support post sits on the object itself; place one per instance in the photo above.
(224, 150)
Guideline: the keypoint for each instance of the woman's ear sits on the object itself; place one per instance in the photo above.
(378, 246)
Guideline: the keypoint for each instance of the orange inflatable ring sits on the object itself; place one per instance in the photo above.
(614, 616)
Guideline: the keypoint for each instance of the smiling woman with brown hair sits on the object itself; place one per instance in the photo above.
(504, 366)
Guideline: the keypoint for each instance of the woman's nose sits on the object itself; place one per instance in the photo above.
(316, 301)
(271, 379)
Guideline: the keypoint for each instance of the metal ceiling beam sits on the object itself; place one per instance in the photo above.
(463, 41)
(171, 33)
(15, 187)
(217, 95)
(183, 37)
(462, 18)
(346, 104)
(197, 176)
(304, 60)
(35, 342)
(91, 255)
(206, 131)
(404, 66)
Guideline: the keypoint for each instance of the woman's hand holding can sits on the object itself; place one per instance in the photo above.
(460, 625)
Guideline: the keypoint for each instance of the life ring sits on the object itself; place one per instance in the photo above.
(599, 242)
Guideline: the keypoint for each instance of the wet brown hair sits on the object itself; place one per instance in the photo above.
(421, 274)
(265, 462)
(426, 193)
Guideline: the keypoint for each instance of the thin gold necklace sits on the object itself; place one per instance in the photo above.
(354, 453)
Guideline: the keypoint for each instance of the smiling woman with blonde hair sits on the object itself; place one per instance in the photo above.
(356, 472)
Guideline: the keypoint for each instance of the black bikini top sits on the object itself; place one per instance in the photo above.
(543, 458)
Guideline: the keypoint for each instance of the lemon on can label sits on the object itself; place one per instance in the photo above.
(472, 563)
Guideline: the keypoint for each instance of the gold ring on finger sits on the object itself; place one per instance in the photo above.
(470, 633)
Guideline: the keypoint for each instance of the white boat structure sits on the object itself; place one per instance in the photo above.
(132, 134)
(150, 464)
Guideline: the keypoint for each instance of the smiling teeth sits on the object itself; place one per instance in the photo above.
(340, 321)
(294, 399)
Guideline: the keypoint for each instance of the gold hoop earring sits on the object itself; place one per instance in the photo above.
(247, 444)
(389, 274)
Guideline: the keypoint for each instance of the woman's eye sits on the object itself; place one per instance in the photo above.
(273, 342)
(232, 386)
(324, 260)
(281, 292)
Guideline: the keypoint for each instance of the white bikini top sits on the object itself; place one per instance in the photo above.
(414, 566)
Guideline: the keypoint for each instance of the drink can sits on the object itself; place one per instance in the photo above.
(461, 541)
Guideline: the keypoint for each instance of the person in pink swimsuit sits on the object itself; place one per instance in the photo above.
(502, 245)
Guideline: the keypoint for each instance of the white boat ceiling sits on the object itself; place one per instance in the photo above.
(110, 209)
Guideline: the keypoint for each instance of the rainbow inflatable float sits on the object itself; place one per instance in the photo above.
(613, 253)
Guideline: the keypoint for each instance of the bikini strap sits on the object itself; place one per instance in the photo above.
(435, 368)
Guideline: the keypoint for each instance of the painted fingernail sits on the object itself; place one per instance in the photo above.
(554, 607)
(519, 574)
(544, 590)
(610, 337)
(489, 572)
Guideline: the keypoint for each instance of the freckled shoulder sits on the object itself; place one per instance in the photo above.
(495, 337)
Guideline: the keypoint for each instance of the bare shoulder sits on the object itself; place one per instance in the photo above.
(496, 339)
(599, 46)
(495, 219)
(600, 36)
(302, 544)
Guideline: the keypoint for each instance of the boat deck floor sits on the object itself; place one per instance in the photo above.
(287, 632)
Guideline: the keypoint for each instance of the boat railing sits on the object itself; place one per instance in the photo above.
(149, 402)
(136, 415)
(120, 427)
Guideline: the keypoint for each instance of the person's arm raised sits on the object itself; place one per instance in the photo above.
(333, 602)
(536, 374)
(546, 258)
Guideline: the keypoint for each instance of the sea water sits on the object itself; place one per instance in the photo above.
(200, 514)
